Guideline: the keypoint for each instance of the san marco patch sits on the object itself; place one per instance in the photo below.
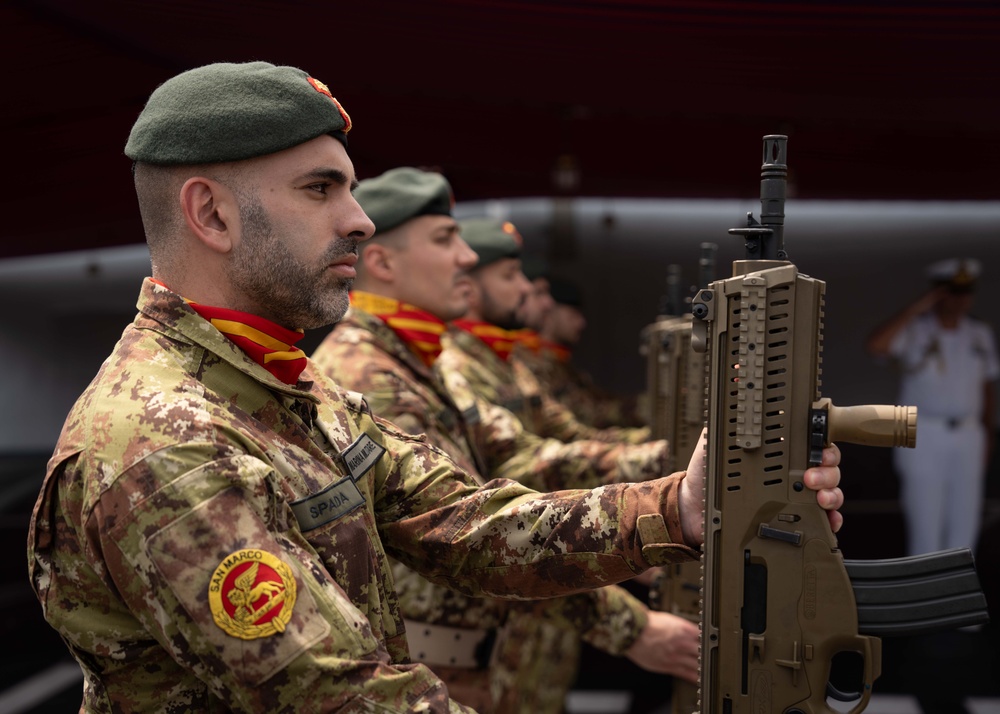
(251, 594)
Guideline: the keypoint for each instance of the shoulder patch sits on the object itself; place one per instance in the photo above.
(251, 594)
(362, 455)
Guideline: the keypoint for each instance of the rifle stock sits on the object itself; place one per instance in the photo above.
(779, 603)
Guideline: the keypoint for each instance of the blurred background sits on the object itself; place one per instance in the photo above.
(617, 136)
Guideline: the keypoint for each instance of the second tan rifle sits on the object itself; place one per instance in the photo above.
(676, 392)
(787, 624)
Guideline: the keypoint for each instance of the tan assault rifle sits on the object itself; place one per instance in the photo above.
(787, 623)
(676, 392)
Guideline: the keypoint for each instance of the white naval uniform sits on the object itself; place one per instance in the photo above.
(942, 479)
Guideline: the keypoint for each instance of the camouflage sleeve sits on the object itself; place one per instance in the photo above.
(504, 540)
(557, 422)
(624, 617)
(550, 418)
(171, 556)
(617, 410)
(513, 452)
(388, 396)
(608, 618)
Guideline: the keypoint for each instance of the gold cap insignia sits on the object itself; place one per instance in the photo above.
(252, 594)
(323, 89)
(510, 230)
(963, 276)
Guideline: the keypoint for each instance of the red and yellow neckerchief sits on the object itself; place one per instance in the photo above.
(527, 338)
(418, 329)
(270, 345)
(561, 353)
(496, 338)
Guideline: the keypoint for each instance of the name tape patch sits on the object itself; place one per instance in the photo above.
(362, 455)
(331, 503)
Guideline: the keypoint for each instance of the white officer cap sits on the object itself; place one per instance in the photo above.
(955, 272)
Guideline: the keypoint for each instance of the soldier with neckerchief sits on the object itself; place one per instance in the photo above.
(547, 353)
(478, 345)
(409, 284)
(214, 527)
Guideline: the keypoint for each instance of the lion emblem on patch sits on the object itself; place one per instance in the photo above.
(252, 594)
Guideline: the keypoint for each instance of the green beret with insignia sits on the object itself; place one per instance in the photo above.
(534, 266)
(491, 239)
(400, 194)
(565, 292)
(234, 111)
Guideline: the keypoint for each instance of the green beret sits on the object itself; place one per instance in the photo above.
(491, 239)
(534, 266)
(230, 112)
(404, 193)
(565, 292)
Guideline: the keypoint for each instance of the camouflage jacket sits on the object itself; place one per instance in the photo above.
(577, 391)
(365, 355)
(513, 386)
(208, 538)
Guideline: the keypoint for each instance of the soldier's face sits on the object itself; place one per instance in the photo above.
(956, 303)
(503, 289)
(565, 324)
(430, 267)
(300, 227)
(537, 304)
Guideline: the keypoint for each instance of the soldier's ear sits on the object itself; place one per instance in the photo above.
(379, 261)
(211, 213)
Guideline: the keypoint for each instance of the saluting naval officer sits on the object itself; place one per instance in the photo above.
(409, 285)
(213, 528)
(948, 363)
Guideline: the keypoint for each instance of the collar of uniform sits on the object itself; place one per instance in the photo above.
(554, 350)
(500, 341)
(465, 342)
(164, 306)
(386, 339)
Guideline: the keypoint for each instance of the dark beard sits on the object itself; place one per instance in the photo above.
(508, 322)
(280, 287)
(506, 319)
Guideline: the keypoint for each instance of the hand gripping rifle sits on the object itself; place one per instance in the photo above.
(780, 605)
(676, 389)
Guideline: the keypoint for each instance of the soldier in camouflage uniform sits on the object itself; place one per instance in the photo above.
(385, 348)
(214, 527)
(548, 355)
(479, 345)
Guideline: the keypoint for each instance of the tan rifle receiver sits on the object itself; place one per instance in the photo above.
(781, 626)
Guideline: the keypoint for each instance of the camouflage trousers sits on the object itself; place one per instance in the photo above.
(534, 665)
(470, 687)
